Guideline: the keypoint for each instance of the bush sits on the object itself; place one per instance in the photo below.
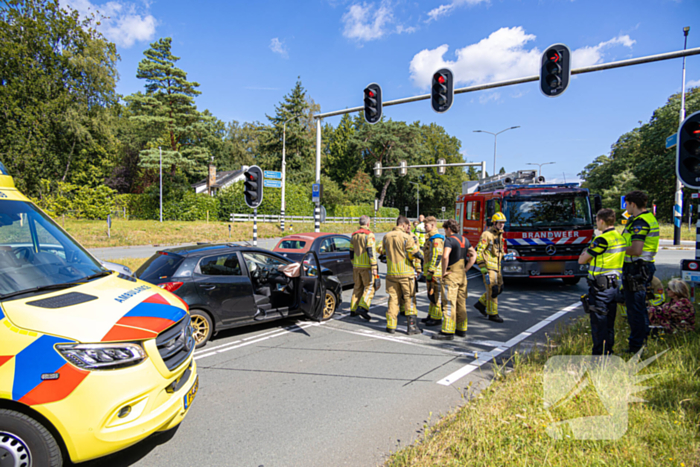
(189, 206)
(76, 201)
(297, 198)
(357, 211)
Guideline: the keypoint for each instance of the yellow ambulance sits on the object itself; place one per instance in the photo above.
(91, 361)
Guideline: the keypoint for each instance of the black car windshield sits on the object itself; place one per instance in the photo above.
(556, 211)
(35, 253)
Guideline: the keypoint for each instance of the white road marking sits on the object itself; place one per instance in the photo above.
(488, 356)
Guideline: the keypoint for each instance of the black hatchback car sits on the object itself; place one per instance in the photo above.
(230, 285)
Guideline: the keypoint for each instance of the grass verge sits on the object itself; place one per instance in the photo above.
(93, 234)
(506, 423)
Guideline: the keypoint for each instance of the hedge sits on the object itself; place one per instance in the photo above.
(357, 211)
(297, 200)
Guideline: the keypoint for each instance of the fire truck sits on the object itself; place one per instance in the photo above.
(548, 225)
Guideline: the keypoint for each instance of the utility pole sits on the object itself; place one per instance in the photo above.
(160, 151)
(317, 209)
(495, 141)
(417, 198)
(678, 208)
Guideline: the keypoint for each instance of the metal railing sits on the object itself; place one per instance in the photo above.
(307, 219)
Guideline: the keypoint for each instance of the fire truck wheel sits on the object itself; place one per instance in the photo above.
(571, 280)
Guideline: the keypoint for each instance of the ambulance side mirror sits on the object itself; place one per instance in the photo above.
(597, 204)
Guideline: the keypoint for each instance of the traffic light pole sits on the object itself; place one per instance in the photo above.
(255, 226)
(317, 209)
(678, 206)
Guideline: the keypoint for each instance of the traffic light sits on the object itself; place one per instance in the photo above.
(441, 166)
(688, 152)
(378, 169)
(373, 103)
(555, 70)
(253, 186)
(403, 168)
(442, 91)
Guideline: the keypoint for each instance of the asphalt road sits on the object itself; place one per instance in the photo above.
(343, 392)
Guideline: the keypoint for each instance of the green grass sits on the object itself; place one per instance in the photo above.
(505, 424)
(93, 234)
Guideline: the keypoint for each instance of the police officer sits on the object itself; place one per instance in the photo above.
(489, 254)
(401, 251)
(607, 256)
(420, 230)
(642, 236)
(364, 269)
(458, 258)
(432, 252)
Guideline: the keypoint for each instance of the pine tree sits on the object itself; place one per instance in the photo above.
(168, 113)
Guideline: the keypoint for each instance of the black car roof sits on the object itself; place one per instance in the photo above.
(207, 248)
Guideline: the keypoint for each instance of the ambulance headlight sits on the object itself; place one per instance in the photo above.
(102, 356)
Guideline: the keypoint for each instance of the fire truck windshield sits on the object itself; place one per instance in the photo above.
(556, 211)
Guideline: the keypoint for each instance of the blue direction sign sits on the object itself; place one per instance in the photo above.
(272, 183)
(671, 140)
(316, 192)
(623, 203)
(272, 174)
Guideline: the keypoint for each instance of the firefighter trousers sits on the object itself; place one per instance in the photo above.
(363, 292)
(454, 302)
(493, 283)
(434, 295)
(400, 290)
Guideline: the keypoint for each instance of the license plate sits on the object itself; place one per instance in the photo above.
(189, 397)
(552, 267)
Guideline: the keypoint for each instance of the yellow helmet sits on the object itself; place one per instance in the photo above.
(498, 217)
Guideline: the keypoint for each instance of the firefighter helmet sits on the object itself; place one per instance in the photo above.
(498, 217)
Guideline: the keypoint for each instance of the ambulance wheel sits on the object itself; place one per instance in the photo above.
(202, 326)
(571, 280)
(25, 442)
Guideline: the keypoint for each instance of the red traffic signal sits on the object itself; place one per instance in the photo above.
(373, 103)
(253, 186)
(688, 152)
(555, 70)
(442, 90)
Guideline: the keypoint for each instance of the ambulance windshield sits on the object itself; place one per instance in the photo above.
(556, 211)
(36, 255)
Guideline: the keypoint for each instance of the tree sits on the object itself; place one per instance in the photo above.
(57, 80)
(297, 109)
(359, 189)
(340, 162)
(240, 145)
(168, 112)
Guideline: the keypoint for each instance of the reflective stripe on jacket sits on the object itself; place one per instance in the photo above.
(611, 260)
(399, 248)
(651, 238)
(432, 252)
(361, 241)
(489, 251)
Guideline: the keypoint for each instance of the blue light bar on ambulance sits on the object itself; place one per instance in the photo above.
(3, 170)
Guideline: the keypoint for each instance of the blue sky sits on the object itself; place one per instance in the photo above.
(247, 56)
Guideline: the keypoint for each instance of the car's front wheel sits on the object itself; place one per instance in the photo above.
(202, 326)
(26, 442)
(329, 305)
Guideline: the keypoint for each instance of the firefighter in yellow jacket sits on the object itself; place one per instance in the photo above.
(364, 269)
(401, 252)
(432, 252)
(489, 254)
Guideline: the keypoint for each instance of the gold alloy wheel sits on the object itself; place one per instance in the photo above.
(329, 306)
(201, 328)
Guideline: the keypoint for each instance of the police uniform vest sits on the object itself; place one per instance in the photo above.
(361, 241)
(611, 260)
(651, 239)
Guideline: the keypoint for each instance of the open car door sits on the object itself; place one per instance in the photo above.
(312, 290)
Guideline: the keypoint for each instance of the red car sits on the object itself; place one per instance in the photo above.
(333, 252)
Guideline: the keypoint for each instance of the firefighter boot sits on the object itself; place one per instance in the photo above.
(412, 325)
(432, 322)
(495, 318)
(480, 307)
(443, 336)
(364, 313)
(461, 333)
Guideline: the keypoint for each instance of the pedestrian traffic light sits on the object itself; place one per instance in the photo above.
(688, 152)
(253, 186)
(442, 91)
(555, 70)
(373, 103)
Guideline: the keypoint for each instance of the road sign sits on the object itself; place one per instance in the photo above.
(323, 215)
(316, 192)
(623, 221)
(671, 140)
(273, 174)
(272, 183)
(695, 195)
(626, 215)
(623, 203)
(376, 205)
(443, 209)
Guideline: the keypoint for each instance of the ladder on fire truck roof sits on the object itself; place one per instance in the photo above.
(495, 182)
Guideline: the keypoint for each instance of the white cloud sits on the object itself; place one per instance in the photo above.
(277, 46)
(444, 10)
(365, 22)
(122, 23)
(489, 96)
(692, 84)
(400, 29)
(501, 56)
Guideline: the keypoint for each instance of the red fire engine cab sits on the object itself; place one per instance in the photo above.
(547, 225)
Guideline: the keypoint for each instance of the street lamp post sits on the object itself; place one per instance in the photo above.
(417, 198)
(160, 176)
(539, 170)
(678, 208)
(284, 170)
(495, 141)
